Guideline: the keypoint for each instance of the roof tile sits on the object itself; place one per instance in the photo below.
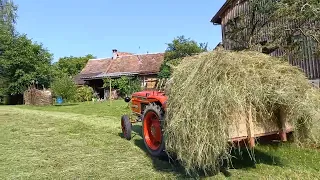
(129, 63)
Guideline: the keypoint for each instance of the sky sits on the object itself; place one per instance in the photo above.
(78, 27)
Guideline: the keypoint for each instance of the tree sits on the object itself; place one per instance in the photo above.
(275, 24)
(179, 48)
(7, 21)
(64, 87)
(303, 18)
(21, 60)
(8, 15)
(249, 30)
(72, 65)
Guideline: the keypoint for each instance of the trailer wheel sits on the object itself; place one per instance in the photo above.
(126, 127)
(152, 127)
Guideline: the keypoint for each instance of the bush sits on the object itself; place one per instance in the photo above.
(84, 93)
(64, 87)
(125, 85)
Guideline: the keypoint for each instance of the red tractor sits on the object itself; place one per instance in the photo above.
(147, 107)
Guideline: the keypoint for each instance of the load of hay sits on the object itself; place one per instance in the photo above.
(34, 96)
(210, 91)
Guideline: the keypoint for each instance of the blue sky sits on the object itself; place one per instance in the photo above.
(78, 27)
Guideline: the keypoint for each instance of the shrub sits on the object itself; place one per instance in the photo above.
(64, 87)
(84, 93)
(125, 85)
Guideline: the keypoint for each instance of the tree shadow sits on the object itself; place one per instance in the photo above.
(71, 104)
(241, 158)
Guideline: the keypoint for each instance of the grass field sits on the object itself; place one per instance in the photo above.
(83, 141)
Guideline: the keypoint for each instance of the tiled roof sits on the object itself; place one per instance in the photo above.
(124, 64)
(124, 53)
(78, 80)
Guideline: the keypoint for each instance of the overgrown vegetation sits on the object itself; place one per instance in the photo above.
(302, 18)
(72, 65)
(210, 92)
(84, 93)
(271, 25)
(64, 87)
(180, 47)
(125, 85)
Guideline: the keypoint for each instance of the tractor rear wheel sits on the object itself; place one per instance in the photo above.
(126, 127)
(152, 129)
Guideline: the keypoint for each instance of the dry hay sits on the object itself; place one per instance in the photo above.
(34, 96)
(208, 91)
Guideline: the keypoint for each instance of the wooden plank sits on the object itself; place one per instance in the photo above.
(250, 127)
(283, 128)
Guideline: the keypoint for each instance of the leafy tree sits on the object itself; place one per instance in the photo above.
(7, 21)
(303, 18)
(72, 65)
(275, 24)
(64, 87)
(179, 48)
(21, 60)
(247, 31)
(8, 15)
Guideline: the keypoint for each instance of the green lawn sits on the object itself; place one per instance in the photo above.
(83, 141)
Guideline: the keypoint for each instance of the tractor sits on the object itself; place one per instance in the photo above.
(148, 107)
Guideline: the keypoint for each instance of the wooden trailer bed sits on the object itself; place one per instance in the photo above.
(248, 128)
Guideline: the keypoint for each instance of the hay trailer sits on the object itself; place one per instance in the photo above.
(149, 108)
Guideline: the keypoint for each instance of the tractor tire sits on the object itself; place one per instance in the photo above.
(126, 127)
(152, 130)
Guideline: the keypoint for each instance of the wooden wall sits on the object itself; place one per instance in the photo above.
(148, 81)
(309, 63)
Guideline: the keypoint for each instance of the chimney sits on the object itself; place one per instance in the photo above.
(114, 54)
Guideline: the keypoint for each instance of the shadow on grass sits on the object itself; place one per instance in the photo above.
(163, 164)
(137, 129)
(71, 104)
(241, 158)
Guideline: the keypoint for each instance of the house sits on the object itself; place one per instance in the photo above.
(144, 66)
(232, 9)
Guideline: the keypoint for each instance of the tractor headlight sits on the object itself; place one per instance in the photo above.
(127, 99)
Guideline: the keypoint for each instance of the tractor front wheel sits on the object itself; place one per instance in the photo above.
(152, 123)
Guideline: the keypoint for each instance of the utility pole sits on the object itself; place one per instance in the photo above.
(110, 90)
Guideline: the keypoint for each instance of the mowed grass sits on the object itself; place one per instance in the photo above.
(84, 141)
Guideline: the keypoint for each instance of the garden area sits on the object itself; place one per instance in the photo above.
(84, 141)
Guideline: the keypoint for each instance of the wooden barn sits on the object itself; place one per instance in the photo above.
(144, 66)
(309, 62)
